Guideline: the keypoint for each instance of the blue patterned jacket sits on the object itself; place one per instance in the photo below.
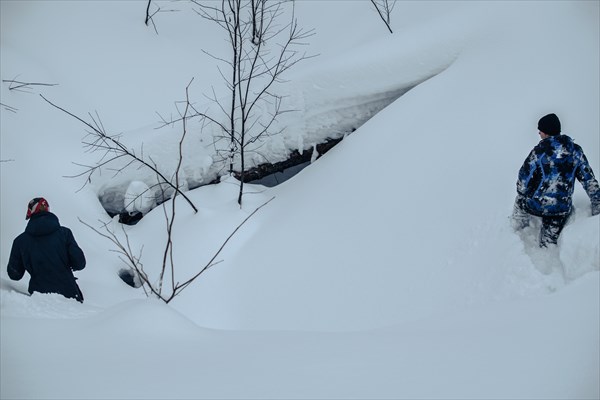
(547, 177)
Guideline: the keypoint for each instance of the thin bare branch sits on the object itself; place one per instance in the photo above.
(211, 262)
(9, 108)
(385, 14)
(14, 84)
(115, 145)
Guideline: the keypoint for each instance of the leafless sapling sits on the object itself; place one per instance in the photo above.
(261, 52)
(155, 286)
(384, 8)
(133, 260)
(123, 246)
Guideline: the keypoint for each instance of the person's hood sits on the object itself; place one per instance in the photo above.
(42, 223)
(563, 139)
(552, 143)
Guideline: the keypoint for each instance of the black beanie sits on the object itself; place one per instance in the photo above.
(549, 124)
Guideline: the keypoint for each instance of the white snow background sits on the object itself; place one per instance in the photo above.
(386, 269)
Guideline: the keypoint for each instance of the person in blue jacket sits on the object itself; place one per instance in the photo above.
(547, 179)
(48, 252)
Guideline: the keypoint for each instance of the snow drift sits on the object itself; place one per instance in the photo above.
(386, 269)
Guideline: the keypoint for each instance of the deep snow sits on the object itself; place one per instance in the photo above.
(387, 268)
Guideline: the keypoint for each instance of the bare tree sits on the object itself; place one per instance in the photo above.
(168, 253)
(384, 8)
(151, 286)
(261, 52)
(133, 260)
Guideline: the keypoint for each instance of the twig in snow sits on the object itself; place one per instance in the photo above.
(387, 10)
(9, 108)
(16, 85)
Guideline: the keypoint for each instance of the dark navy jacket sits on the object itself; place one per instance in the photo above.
(49, 253)
(547, 177)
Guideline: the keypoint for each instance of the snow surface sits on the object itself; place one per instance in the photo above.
(386, 269)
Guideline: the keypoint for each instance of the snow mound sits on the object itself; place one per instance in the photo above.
(580, 247)
(138, 198)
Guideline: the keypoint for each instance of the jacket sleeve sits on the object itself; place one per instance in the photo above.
(76, 256)
(527, 176)
(585, 175)
(16, 267)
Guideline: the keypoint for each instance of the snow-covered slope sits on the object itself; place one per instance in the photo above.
(327, 101)
(404, 217)
(143, 349)
(386, 269)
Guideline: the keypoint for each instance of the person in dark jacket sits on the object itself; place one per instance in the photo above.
(48, 252)
(547, 179)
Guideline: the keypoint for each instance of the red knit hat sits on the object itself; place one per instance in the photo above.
(37, 205)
